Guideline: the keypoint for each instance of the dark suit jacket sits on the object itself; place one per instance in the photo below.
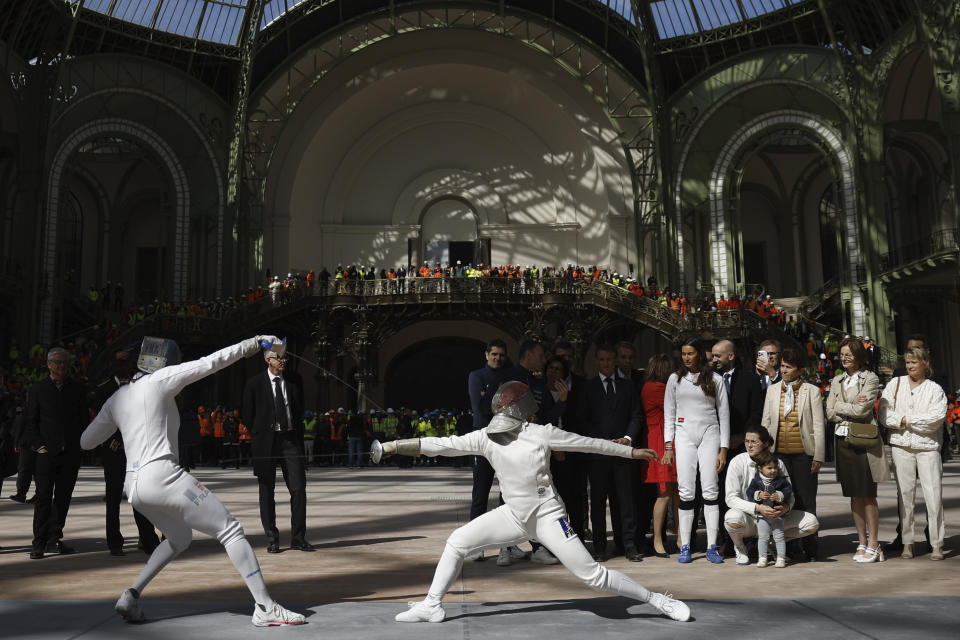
(598, 419)
(482, 384)
(56, 418)
(549, 410)
(746, 400)
(257, 414)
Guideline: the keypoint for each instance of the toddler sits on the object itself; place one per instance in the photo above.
(769, 488)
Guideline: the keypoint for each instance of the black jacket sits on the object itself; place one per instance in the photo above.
(55, 418)
(598, 419)
(746, 400)
(258, 415)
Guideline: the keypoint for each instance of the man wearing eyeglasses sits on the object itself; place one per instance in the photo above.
(273, 412)
(55, 417)
(768, 364)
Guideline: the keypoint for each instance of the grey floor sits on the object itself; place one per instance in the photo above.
(894, 618)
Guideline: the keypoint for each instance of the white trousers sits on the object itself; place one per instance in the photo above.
(176, 503)
(549, 526)
(907, 465)
(691, 450)
(796, 524)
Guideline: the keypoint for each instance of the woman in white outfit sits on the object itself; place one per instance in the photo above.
(145, 410)
(519, 452)
(696, 429)
(913, 409)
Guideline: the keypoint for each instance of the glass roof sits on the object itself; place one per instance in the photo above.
(675, 18)
(220, 21)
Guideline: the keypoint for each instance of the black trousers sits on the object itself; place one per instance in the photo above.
(56, 476)
(646, 496)
(804, 492)
(287, 454)
(25, 469)
(482, 482)
(114, 473)
(616, 480)
(570, 478)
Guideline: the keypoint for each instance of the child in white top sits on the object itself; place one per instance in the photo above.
(770, 488)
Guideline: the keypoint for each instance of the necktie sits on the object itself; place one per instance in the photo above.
(279, 406)
(611, 392)
(726, 382)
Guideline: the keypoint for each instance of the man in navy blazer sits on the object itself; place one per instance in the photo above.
(610, 408)
(272, 410)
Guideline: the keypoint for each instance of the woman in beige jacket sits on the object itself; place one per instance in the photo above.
(852, 396)
(793, 414)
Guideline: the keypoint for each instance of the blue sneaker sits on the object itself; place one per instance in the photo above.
(714, 555)
(685, 555)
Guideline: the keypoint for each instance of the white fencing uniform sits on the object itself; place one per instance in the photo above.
(533, 510)
(699, 427)
(146, 414)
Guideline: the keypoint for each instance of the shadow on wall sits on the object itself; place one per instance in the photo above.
(433, 374)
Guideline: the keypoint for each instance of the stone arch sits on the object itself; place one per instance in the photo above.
(181, 188)
(719, 185)
(470, 186)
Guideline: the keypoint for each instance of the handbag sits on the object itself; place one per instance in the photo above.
(862, 434)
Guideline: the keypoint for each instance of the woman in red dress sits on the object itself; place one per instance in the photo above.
(658, 371)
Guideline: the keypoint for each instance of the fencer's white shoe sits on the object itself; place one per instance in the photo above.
(743, 559)
(275, 616)
(503, 558)
(516, 553)
(543, 556)
(128, 607)
(421, 612)
(670, 607)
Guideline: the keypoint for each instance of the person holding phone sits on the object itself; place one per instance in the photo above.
(768, 364)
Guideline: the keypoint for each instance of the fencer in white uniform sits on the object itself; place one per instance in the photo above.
(145, 411)
(696, 428)
(519, 452)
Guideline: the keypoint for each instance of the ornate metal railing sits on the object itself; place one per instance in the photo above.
(941, 242)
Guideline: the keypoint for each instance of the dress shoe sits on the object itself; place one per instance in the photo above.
(658, 554)
(600, 555)
(59, 547)
(117, 552)
(36, 554)
(18, 497)
(273, 547)
(633, 555)
(302, 546)
(32, 499)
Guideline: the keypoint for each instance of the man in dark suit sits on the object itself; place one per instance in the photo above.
(55, 417)
(610, 408)
(646, 492)
(570, 472)
(273, 412)
(745, 397)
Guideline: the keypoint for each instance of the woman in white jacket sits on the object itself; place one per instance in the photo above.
(519, 452)
(696, 428)
(913, 409)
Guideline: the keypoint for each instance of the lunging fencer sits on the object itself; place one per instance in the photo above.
(519, 452)
(696, 428)
(145, 411)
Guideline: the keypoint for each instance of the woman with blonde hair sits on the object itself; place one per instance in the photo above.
(859, 459)
(913, 409)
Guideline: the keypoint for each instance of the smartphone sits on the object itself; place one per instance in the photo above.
(761, 355)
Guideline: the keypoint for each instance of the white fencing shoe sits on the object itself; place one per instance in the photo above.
(275, 616)
(670, 607)
(128, 607)
(543, 556)
(421, 612)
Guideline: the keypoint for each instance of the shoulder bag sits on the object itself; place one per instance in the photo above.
(863, 435)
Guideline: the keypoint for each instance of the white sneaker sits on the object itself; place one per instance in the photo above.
(762, 561)
(543, 556)
(516, 553)
(129, 607)
(421, 612)
(503, 558)
(476, 556)
(275, 616)
(743, 559)
(670, 607)
(781, 562)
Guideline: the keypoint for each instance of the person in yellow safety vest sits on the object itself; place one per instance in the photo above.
(390, 425)
(309, 435)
